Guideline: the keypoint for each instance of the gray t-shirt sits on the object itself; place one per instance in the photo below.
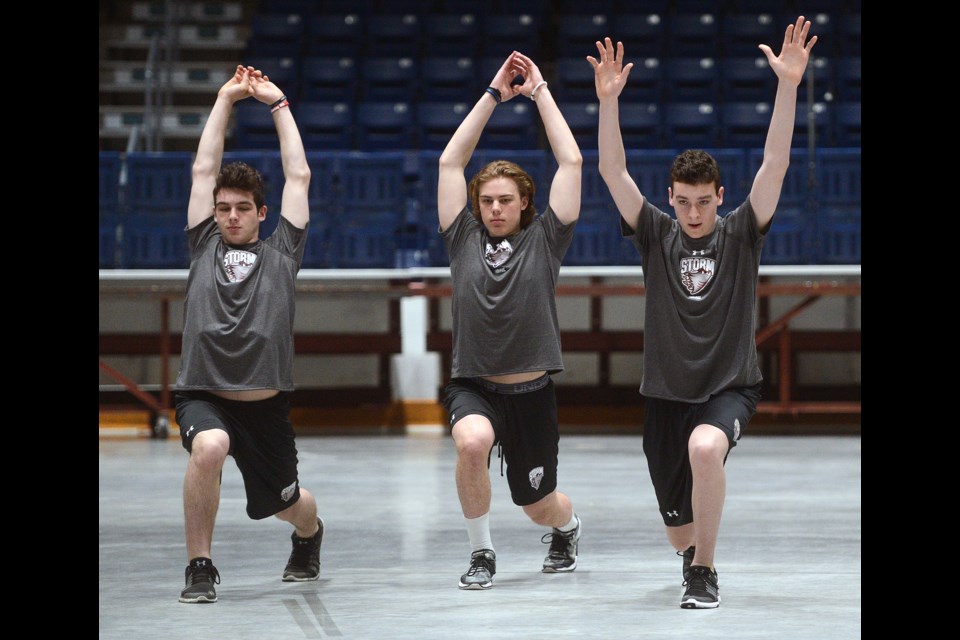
(701, 297)
(505, 317)
(238, 311)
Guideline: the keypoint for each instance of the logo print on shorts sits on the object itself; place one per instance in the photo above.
(736, 428)
(536, 475)
(287, 492)
(673, 514)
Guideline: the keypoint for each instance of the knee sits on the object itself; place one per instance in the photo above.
(209, 450)
(540, 511)
(710, 448)
(474, 444)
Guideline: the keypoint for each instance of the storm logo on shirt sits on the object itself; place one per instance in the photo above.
(696, 273)
(238, 263)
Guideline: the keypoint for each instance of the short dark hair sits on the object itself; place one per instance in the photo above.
(505, 169)
(695, 166)
(242, 177)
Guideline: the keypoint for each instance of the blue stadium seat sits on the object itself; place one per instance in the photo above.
(110, 165)
(448, 78)
(691, 125)
(579, 8)
(384, 79)
(747, 79)
(329, 79)
(578, 34)
(253, 127)
(741, 33)
(849, 35)
(368, 241)
(338, 35)
(642, 34)
(849, 82)
(372, 183)
(735, 176)
(650, 169)
(393, 35)
(646, 81)
(510, 31)
(692, 80)
(437, 121)
(693, 35)
(159, 183)
(575, 81)
(283, 71)
(840, 236)
(847, 125)
(285, 7)
(324, 195)
(596, 240)
(641, 125)
(326, 125)
(155, 242)
(451, 35)
(594, 195)
(512, 126)
(789, 239)
(745, 124)
(582, 118)
(820, 73)
(385, 125)
(277, 35)
(840, 182)
(820, 114)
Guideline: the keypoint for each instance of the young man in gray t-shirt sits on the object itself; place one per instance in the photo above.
(505, 262)
(700, 379)
(237, 357)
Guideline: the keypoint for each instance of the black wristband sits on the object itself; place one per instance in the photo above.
(277, 103)
(495, 93)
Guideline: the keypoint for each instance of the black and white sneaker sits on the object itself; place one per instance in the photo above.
(200, 577)
(563, 550)
(304, 562)
(702, 589)
(483, 566)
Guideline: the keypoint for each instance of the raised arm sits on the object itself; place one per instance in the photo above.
(206, 165)
(789, 66)
(296, 173)
(565, 190)
(610, 76)
(452, 184)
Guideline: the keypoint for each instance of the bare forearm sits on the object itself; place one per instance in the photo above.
(564, 145)
(463, 142)
(210, 149)
(613, 158)
(292, 155)
(776, 151)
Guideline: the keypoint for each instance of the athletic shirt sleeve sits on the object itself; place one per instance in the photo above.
(289, 240)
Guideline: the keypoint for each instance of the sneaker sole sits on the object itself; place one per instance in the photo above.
(198, 600)
(696, 604)
(560, 569)
(475, 586)
(296, 579)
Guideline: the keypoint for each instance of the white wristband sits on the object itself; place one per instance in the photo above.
(533, 94)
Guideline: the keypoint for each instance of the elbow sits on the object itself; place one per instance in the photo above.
(203, 169)
(447, 161)
(300, 175)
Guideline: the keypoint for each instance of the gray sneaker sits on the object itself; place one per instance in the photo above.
(562, 556)
(702, 589)
(483, 566)
(200, 577)
(304, 562)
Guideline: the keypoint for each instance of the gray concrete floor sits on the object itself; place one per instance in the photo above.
(788, 555)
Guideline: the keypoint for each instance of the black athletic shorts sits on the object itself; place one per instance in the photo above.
(524, 419)
(261, 442)
(666, 435)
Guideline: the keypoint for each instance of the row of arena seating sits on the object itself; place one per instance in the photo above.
(706, 31)
(452, 78)
(379, 209)
(371, 126)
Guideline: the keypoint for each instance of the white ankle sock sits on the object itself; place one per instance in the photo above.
(570, 526)
(479, 531)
